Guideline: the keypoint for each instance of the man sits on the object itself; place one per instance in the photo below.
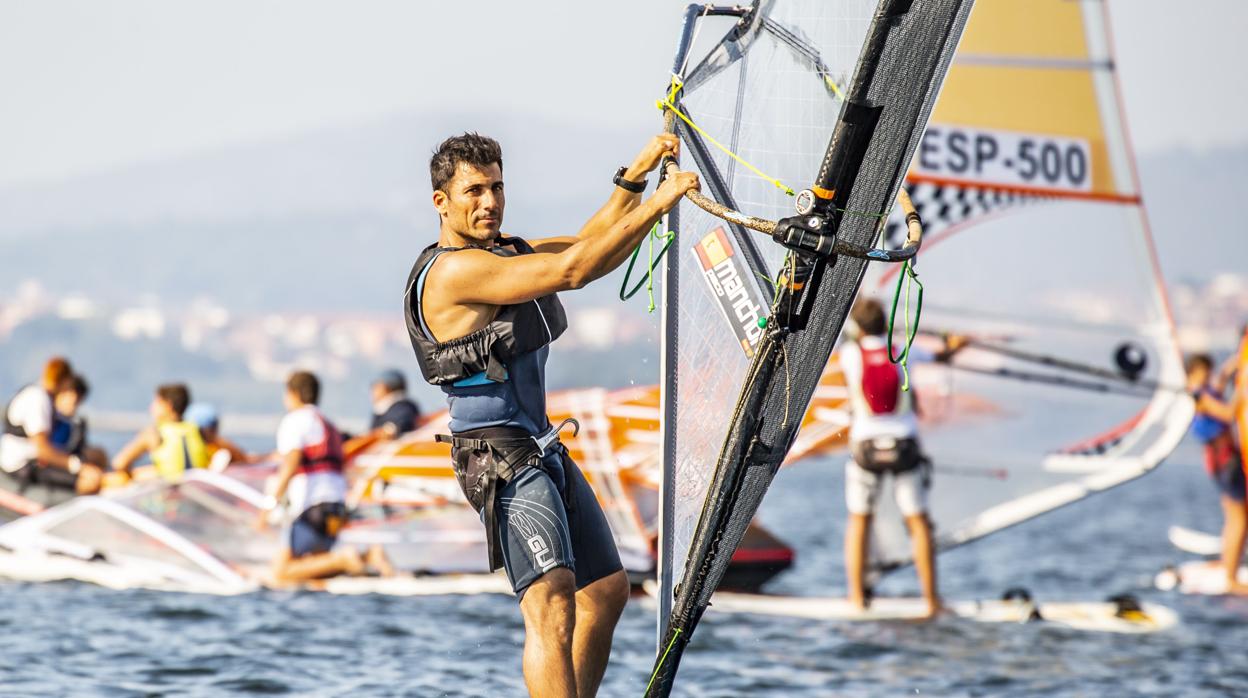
(1212, 426)
(394, 413)
(174, 444)
(884, 442)
(481, 311)
(27, 455)
(310, 475)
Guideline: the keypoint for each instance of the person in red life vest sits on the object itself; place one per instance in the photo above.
(1212, 425)
(884, 442)
(310, 477)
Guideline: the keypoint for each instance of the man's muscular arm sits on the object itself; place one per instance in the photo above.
(477, 276)
(621, 201)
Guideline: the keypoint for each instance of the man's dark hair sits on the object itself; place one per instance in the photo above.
(79, 386)
(1199, 361)
(868, 315)
(177, 395)
(470, 148)
(305, 386)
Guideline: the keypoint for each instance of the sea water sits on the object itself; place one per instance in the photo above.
(72, 639)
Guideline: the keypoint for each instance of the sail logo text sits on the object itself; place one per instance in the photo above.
(739, 301)
(1004, 158)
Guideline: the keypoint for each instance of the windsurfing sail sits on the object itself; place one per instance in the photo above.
(748, 325)
(1072, 381)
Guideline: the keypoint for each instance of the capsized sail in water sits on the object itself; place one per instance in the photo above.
(743, 353)
(1072, 379)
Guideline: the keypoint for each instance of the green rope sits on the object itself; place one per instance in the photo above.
(668, 238)
(662, 660)
(909, 276)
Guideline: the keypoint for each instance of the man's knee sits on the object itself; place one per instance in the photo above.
(551, 599)
(917, 523)
(609, 594)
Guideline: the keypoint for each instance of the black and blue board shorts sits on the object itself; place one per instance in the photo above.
(549, 517)
(316, 529)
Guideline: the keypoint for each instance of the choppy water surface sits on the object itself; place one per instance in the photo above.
(71, 639)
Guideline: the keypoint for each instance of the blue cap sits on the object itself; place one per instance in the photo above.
(392, 379)
(202, 415)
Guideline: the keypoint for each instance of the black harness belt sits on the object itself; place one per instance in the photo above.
(483, 457)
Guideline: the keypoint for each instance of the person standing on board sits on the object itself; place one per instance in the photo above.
(27, 454)
(1212, 425)
(884, 442)
(174, 444)
(310, 476)
(482, 310)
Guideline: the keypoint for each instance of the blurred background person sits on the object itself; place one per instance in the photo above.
(174, 444)
(27, 454)
(310, 477)
(394, 413)
(69, 429)
(222, 452)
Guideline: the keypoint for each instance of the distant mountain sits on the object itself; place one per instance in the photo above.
(332, 219)
(328, 220)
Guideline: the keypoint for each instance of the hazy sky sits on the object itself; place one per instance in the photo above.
(91, 85)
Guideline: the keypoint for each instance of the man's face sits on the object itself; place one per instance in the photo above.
(160, 409)
(472, 204)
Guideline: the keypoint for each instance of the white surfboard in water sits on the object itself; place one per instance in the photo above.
(1202, 577)
(1195, 542)
(1126, 616)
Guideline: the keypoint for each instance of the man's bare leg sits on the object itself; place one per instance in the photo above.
(598, 608)
(549, 610)
(924, 560)
(289, 570)
(856, 557)
(1234, 531)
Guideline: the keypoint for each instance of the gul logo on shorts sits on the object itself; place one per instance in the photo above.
(739, 300)
(533, 537)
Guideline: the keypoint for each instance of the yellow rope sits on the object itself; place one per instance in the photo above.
(827, 79)
(669, 102)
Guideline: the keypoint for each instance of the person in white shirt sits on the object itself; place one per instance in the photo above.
(884, 442)
(27, 454)
(310, 476)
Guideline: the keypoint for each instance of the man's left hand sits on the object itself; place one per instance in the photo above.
(664, 144)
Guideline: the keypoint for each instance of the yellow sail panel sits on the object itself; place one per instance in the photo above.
(1032, 29)
(1027, 106)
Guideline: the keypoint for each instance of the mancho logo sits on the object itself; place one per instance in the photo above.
(738, 299)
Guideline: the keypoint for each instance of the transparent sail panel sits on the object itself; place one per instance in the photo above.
(775, 107)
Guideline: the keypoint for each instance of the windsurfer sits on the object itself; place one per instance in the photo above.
(27, 454)
(310, 475)
(883, 442)
(1212, 425)
(481, 310)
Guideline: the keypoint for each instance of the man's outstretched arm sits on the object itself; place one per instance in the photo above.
(621, 201)
(477, 276)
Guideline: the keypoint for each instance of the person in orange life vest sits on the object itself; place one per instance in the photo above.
(1212, 425)
(310, 474)
(883, 442)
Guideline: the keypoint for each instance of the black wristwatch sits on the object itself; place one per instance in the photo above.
(626, 184)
